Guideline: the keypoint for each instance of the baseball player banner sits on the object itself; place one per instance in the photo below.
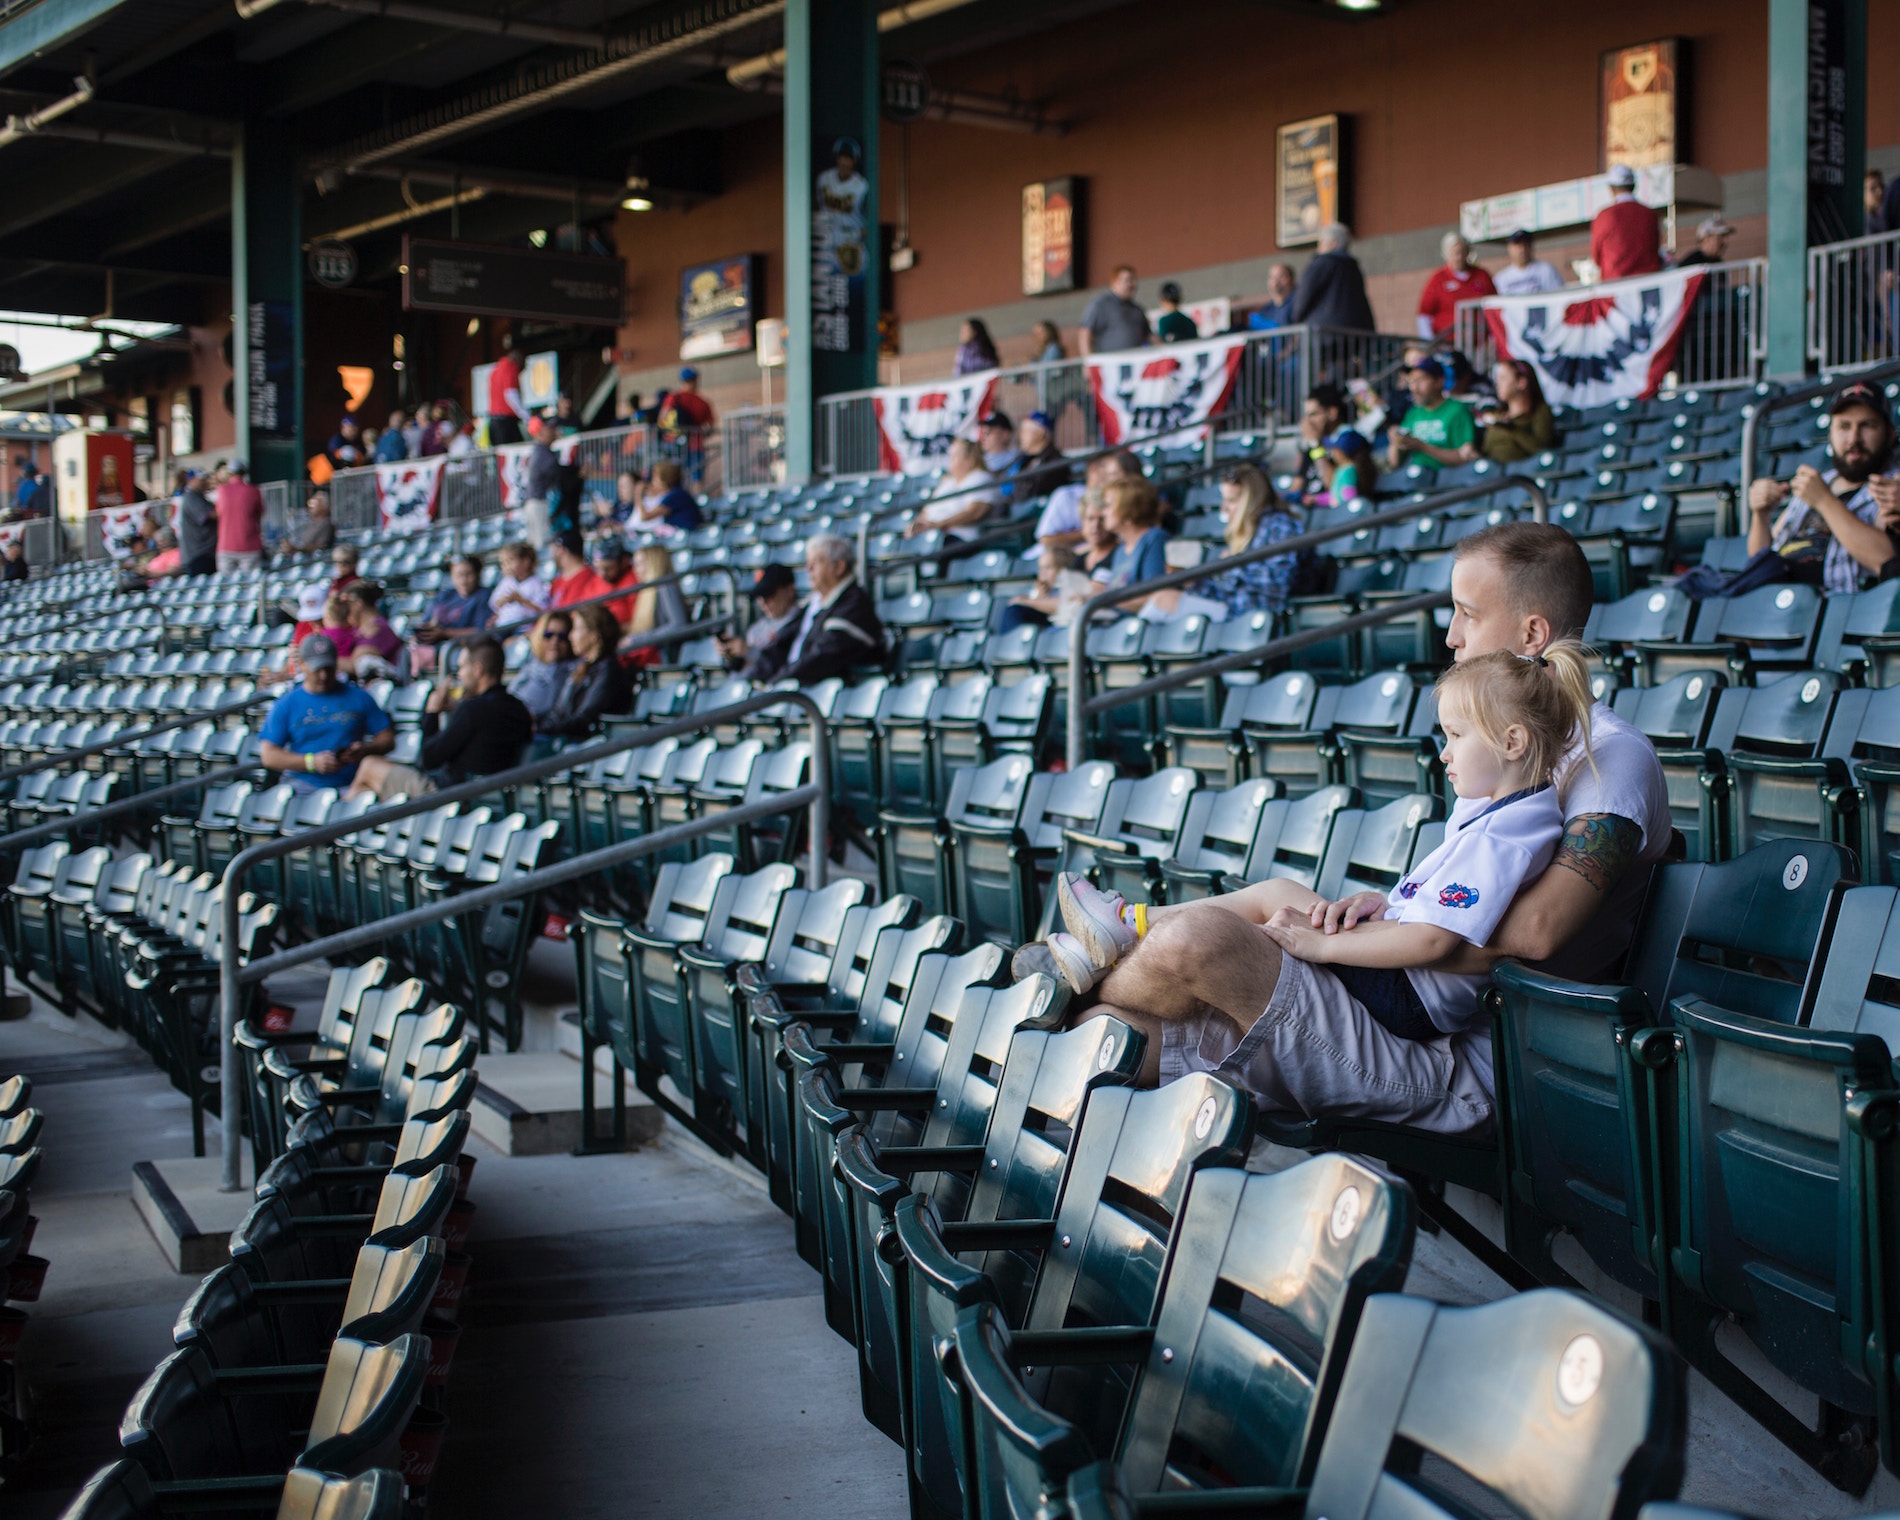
(1164, 395)
(407, 492)
(916, 423)
(1602, 342)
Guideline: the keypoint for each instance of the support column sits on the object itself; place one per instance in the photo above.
(267, 301)
(1817, 152)
(832, 265)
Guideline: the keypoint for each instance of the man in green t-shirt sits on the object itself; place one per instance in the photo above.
(1436, 429)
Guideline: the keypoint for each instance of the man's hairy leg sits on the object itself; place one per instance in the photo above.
(1254, 903)
(1199, 958)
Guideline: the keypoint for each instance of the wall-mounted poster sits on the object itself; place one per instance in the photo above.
(838, 237)
(1310, 182)
(1641, 105)
(717, 307)
(1052, 236)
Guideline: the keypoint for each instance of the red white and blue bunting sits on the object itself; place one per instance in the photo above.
(1602, 343)
(916, 423)
(407, 492)
(1164, 395)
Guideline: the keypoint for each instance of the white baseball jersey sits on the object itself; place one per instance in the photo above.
(1491, 849)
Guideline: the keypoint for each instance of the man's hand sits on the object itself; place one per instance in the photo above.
(1766, 495)
(1360, 908)
(732, 645)
(325, 762)
(1402, 441)
(1885, 490)
(1808, 486)
(438, 700)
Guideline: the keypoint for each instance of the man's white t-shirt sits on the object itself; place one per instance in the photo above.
(1491, 848)
(1626, 781)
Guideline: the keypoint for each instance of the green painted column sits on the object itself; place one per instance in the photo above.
(832, 267)
(267, 301)
(1817, 152)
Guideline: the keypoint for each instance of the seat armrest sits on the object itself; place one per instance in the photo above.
(999, 1235)
(904, 1160)
(889, 1100)
(1085, 1346)
(315, 1290)
(254, 1382)
(1264, 1503)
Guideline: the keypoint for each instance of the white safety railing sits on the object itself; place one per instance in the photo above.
(1277, 369)
(752, 447)
(1854, 303)
(1724, 341)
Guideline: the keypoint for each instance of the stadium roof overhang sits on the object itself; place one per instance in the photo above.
(123, 117)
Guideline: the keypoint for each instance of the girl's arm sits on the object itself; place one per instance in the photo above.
(1379, 944)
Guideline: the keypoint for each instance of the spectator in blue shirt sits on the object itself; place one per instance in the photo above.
(1277, 309)
(1134, 512)
(28, 483)
(1254, 517)
(317, 731)
(668, 501)
(392, 445)
(460, 606)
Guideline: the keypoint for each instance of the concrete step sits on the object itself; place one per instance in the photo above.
(567, 1040)
(188, 1216)
(529, 1104)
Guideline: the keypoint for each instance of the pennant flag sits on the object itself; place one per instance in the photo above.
(1169, 391)
(1601, 343)
(916, 423)
(406, 492)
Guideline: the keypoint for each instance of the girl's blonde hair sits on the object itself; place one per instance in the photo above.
(1547, 695)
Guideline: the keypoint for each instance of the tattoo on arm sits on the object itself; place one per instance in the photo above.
(1599, 847)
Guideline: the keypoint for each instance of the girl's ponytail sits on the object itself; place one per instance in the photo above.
(1569, 668)
(1548, 694)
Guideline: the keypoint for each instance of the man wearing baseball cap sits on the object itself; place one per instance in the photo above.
(775, 591)
(1837, 528)
(1437, 429)
(316, 732)
(1041, 467)
(1711, 243)
(997, 434)
(1623, 237)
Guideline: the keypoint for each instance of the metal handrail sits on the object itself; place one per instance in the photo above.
(1243, 659)
(1787, 401)
(1078, 630)
(232, 979)
(120, 741)
(137, 802)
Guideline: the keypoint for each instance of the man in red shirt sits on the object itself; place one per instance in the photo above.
(240, 521)
(685, 409)
(1455, 280)
(1623, 237)
(576, 582)
(505, 410)
(615, 567)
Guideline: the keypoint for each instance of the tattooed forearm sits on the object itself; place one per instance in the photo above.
(1599, 847)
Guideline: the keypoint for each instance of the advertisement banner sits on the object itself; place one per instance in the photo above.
(718, 303)
(511, 462)
(916, 423)
(839, 249)
(1170, 391)
(1602, 342)
(407, 493)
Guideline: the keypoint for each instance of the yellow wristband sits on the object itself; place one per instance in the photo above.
(310, 762)
(1141, 920)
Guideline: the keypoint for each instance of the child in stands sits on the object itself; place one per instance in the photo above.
(1511, 724)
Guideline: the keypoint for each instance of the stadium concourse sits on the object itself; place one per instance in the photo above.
(674, 1088)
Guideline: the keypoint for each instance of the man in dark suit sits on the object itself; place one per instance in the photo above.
(839, 630)
(1332, 291)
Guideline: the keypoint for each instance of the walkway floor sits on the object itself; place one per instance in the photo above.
(641, 1336)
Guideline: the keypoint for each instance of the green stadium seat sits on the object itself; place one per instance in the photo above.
(1139, 827)
(1216, 838)
(1293, 838)
(1771, 629)
(1234, 1378)
(1251, 720)
(1765, 761)
(1370, 850)
(123, 1491)
(1675, 718)
(1096, 1259)
(679, 914)
(898, 1079)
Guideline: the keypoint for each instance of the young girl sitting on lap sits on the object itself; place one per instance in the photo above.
(1511, 724)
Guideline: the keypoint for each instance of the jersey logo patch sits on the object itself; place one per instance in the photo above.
(1408, 890)
(1458, 896)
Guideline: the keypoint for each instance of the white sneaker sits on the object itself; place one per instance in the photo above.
(1094, 917)
(1072, 962)
(1032, 958)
